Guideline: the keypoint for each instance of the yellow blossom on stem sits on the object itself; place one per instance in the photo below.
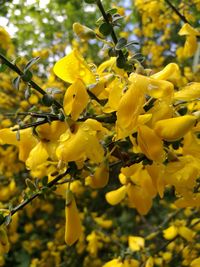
(73, 227)
(75, 99)
(174, 128)
(73, 67)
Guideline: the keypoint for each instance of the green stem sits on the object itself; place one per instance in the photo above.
(182, 17)
(35, 195)
(32, 83)
(113, 35)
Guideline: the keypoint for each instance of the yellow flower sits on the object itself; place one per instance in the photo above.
(25, 144)
(178, 229)
(195, 262)
(130, 107)
(170, 233)
(136, 243)
(116, 196)
(51, 132)
(103, 223)
(4, 243)
(73, 228)
(100, 177)
(83, 143)
(73, 67)
(150, 144)
(191, 44)
(188, 92)
(37, 156)
(83, 32)
(174, 128)
(113, 263)
(75, 99)
(153, 87)
(170, 72)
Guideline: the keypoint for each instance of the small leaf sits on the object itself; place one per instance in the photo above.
(105, 28)
(117, 18)
(7, 219)
(27, 92)
(131, 43)
(112, 11)
(47, 100)
(27, 76)
(3, 67)
(112, 52)
(30, 184)
(16, 82)
(121, 44)
(17, 60)
(53, 91)
(45, 180)
(121, 61)
(31, 63)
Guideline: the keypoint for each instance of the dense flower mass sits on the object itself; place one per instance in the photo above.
(117, 140)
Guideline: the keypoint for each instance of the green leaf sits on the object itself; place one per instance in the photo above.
(121, 44)
(3, 67)
(47, 100)
(112, 52)
(30, 184)
(121, 62)
(16, 82)
(27, 76)
(105, 28)
(111, 11)
(45, 180)
(27, 92)
(7, 219)
(31, 63)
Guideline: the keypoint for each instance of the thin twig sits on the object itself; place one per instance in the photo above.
(182, 17)
(32, 83)
(35, 195)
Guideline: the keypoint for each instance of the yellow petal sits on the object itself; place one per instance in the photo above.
(83, 32)
(149, 262)
(139, 199)
(130, 106)
(190, 46)
(82, 143)
(130, 263)
(75, 99)
(195, 262)
(4, 243)
(25, 144)
(113, 263)
(73, 67)
(136, 243)
(186, 233)
(170, 232)
(153, 87)
(116, 196)
(189, 92)
(169, 72)
(73, 228)
(174, 128)
(51, 132)
(37, 156)
(150, 144)
(100, 178)
(187, 29)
